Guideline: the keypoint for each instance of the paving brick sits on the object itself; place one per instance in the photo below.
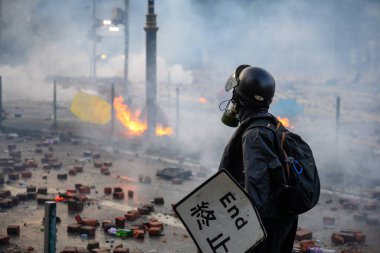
(107, 190)
(4, 239)
(130, 193)
(121, 250)
(13, 230)
(149, 206)
(96, 156)
(26, 174)
(143, 210)
(118, 195)
(56, 165)
(31, 189)
(88, 230)
(72, 172)
(156, 224)
(98, 164)
(84, 189)
(74, 205)
(120, 222)
(62, 176)
(305, 244)
(154, 231)
(46, 166)
(92, 244)
(78, 168)
(303, 234)
(138, 234)
(105, 222)
(117, 189)
(108, 163)
(74, 228)
(42, 190)
(337, 239)
(13, 176)
(132, 215)
(69, 250)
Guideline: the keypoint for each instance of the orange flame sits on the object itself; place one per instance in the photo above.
(59, 198)
(202, 100)
(132, 122)
(285, 121)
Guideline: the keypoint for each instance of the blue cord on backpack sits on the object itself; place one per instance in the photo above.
(294, 163)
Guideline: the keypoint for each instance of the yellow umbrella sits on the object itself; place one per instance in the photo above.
(91, 108)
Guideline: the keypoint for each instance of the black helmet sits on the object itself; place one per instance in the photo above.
(253, 86)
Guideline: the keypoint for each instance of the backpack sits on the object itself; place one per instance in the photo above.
(301, 187)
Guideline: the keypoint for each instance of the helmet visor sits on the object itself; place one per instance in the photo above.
(233, 79)
(231, 83)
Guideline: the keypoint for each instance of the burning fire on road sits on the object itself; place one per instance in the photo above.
(131, 120)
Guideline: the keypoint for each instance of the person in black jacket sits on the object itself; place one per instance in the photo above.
(251, 155)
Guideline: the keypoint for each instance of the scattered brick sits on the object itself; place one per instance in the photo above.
(42, 190)
(154, 223)
(6, 203)
(143, 210)
(74, 228)
(150, 207)
(46, 166)
(82, 250)
(31, 189)
(98, 164)
(72, 172)
(69, 250)
(117, 189)
(104, 223)
(96, 156)
(74, 205)
(158, 201)
(78, 185)
(359, 237)
(78, 168)
(62, 176)
(88, 230)
(118, 195)
(87, 154)
(105, 171)
(71, 191)
(92, 244)
(102, 250)
(108, 163)
(15, 200)
(107, 190)
(120, 222)
(154, 231)
(13, 176)
(84, 189)
(26, 174)
(303, 234)
(38, 150)
(56, 165)
(132, 215)
(130, 193)
(337, 239)
(305, 244)
(13, 230)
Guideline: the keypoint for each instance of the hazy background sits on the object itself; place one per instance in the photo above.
(316, 50)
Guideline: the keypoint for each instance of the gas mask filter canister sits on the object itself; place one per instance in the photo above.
(230, 115)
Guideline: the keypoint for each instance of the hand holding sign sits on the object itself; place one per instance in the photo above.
(220, 216)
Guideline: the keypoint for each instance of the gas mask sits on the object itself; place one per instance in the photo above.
(230, 115)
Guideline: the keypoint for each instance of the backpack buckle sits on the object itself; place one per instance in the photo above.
(290, 160)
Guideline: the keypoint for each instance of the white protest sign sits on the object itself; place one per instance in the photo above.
(220, 216)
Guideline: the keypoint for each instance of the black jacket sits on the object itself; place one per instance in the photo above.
(252, 149)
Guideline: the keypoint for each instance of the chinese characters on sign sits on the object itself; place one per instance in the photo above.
(219, 215)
